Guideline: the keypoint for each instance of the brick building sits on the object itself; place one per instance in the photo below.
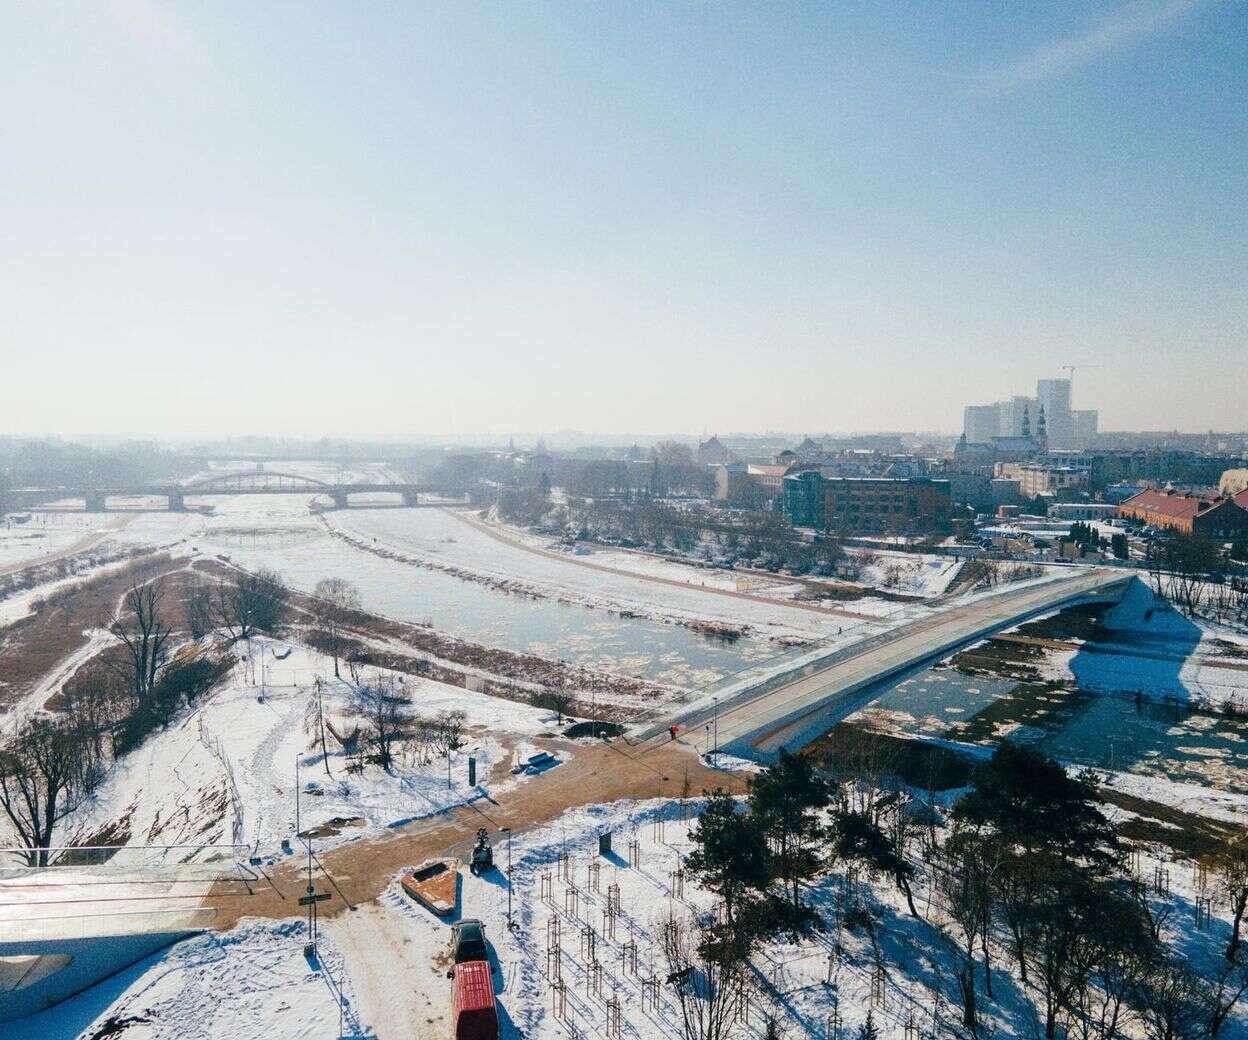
(867, 505)
(1210, 517)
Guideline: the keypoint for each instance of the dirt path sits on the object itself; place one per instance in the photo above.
(516, 543)
(42, 644)
(89, 541)
(378, 952)
(361, 871)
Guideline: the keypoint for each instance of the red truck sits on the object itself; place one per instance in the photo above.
(473, 1014)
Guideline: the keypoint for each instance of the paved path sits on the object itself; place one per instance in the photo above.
(590, 775)
(517, 543)
(788, 715)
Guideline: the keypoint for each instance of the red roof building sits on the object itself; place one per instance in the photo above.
(1210, 517)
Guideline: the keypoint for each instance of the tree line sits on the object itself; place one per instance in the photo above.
(58, 758)
(1025, 863)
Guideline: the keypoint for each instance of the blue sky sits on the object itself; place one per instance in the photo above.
(406, 218)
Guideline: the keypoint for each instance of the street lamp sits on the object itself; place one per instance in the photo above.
(510, 924)
(715, 720)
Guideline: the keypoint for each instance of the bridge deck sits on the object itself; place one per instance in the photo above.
(797, 711)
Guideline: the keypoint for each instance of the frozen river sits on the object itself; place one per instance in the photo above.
(280, 533)
(1107, 731)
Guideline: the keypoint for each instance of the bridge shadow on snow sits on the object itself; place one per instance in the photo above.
(1130, 682)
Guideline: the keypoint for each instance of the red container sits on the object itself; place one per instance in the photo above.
(473, 1015)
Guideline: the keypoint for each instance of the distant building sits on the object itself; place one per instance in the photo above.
(732, 482)
(768, 476)
(1083, 510)
(1210, 517)
(1005, 492)
(969, 489)
(1233, 481)
(980, 423)
(1066, 427)
(713, 453)
(1042, 479)
(867, 505)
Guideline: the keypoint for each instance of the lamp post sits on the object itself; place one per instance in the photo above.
(510, 923)
(715, 720)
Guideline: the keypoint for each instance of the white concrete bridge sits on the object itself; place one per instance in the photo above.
(754, 719)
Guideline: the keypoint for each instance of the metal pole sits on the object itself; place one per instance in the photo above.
(507, 831)
(715, 701)
(297, 827)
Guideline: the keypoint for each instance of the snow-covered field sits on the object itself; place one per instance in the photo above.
(225, 773)
(254, 982)
(1165, 654)
(45, 534)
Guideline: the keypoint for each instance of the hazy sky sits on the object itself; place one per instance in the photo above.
(406, 218)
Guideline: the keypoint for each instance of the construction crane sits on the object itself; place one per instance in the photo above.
(1070, 371)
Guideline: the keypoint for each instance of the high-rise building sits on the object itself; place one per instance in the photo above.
(1054, 396)
(981, 422)
(1064, 427)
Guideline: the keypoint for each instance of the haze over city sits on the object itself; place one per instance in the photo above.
(299, 219)
(645, 520)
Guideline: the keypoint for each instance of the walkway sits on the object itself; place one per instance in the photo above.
(760, 724)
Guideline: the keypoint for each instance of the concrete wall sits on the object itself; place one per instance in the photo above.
(91, 960)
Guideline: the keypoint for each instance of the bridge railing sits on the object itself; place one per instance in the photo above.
(110, 863)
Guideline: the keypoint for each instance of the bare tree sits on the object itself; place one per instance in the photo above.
(198, 602)
(965, 884)
(42, 781)
(141, 628)
(1230, 866)
(1173, 1003)
(707, 973)
(335, 599)
(558, 701)
(382, 709)
(251, 603)
(319, 702)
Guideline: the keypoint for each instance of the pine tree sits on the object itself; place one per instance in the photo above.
(869, 1030)
(785, 802)
(728, 857)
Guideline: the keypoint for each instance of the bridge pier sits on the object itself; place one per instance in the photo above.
(340, 499)
(177, 503)
(95, 502)
(410, 498)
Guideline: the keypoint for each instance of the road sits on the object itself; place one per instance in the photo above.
(758, 724)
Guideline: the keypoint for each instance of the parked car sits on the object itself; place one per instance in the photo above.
(468, 941)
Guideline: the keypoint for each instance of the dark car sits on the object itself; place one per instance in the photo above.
(468, 941)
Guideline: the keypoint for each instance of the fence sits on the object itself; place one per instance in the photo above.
(217, 750)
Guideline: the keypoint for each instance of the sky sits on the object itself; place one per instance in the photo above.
(407, 219)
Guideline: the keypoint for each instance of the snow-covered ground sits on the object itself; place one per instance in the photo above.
(257, 971)
(234, 761)
(1147, 646)
(252, 983)
(46, 534)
